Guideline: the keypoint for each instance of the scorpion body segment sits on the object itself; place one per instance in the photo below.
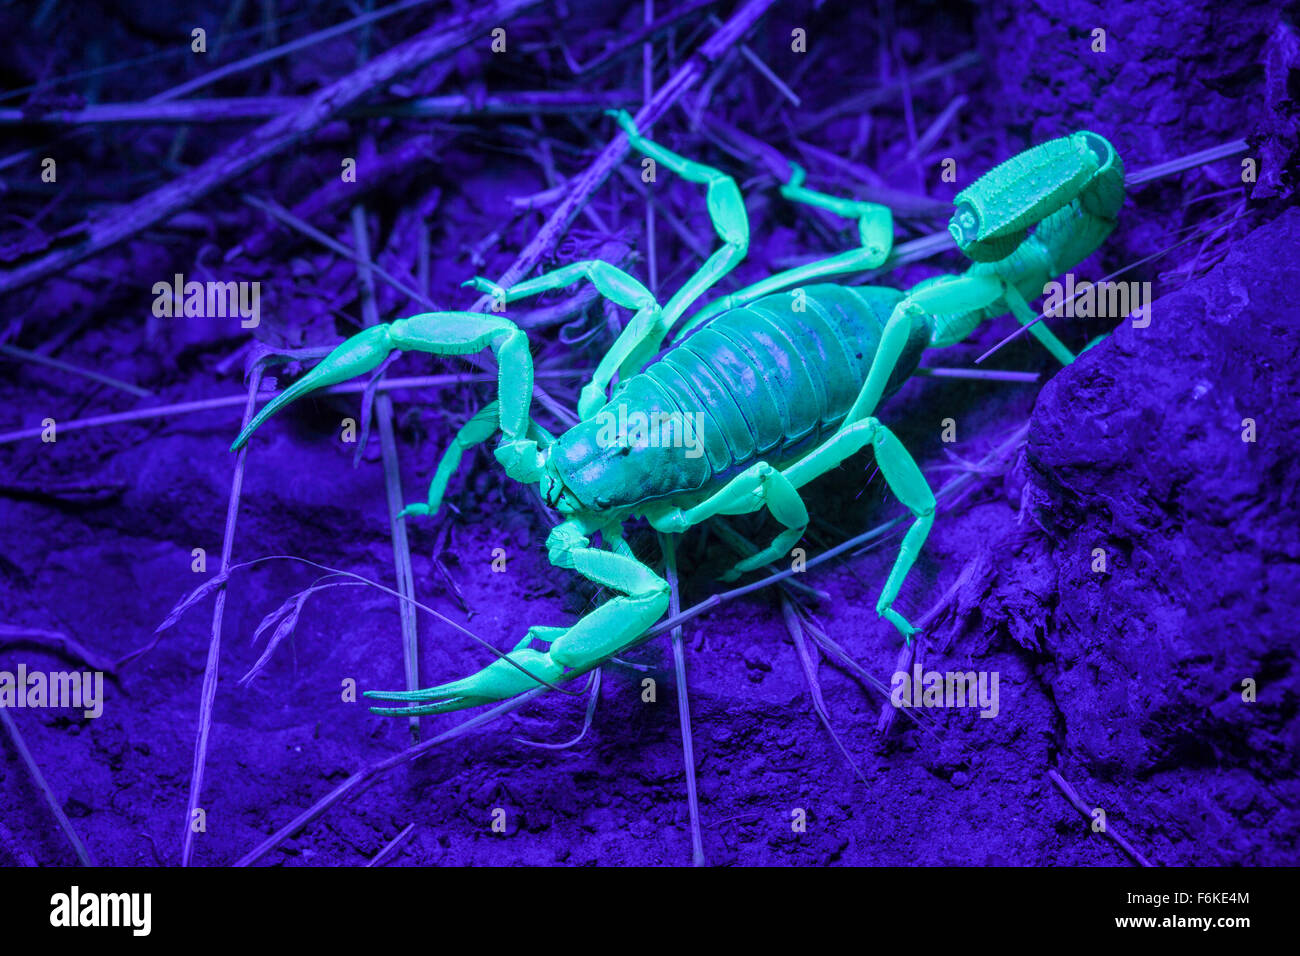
(766, 381)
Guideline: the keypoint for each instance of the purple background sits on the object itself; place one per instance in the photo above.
(1125, 683)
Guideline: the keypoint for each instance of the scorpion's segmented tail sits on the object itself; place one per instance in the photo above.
(1038, 186)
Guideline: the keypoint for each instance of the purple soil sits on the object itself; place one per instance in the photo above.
(1127, 683)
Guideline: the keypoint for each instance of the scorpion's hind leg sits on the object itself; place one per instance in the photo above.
(875, 235)
(906, 482)
(611, 628)
(438, 333)
(730, 221)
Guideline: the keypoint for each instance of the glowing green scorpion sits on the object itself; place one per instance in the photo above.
(774, 388)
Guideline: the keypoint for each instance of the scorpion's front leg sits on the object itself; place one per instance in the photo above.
(612, 627)
(614, 284)
(438, 333)
(757, 486)
(481, 426)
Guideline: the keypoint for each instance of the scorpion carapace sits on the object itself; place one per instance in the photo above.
(763, 390)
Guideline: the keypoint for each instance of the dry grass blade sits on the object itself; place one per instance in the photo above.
(1077, 802)
(284, 49)
(208, 693)
(266, 141)
(242, 109)
(593, 698)
(388, 852)
(683, 701)
(293, 222)
(55, 642)
(230, 401)
(809, 665)
(39, 779)
(23, 355)
(287, 615)
(392, 475)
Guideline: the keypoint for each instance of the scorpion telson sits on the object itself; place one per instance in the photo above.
(785, 386)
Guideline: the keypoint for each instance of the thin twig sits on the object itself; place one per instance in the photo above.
(284, 49)
(311, 232)
(683, 701)
(208, 693)
(243, 109)
(55, 642)
(39, 779)
(268, 140)
(25, 356)
(388, 852)
(808, 663)
(1077, 802)
(392, 476)
(228, 401)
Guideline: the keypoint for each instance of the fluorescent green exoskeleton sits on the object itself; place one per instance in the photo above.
(761, 392)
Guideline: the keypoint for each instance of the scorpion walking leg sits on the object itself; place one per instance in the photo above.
(481, 426)
(439, 333)
(730, 222)
(613, 283)
(611, 628)
(931, 300)
(1025, 315)
(758, 485)
(478, 429)
(905, 481)
(875, 232)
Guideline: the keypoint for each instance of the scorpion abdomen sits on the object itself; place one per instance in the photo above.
(767, 381)
(776, 376)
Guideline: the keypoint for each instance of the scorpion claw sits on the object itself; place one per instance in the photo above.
(425, 710)
(363, 352)
(520, 670)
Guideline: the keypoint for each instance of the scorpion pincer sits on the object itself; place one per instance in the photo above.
(759, 393)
